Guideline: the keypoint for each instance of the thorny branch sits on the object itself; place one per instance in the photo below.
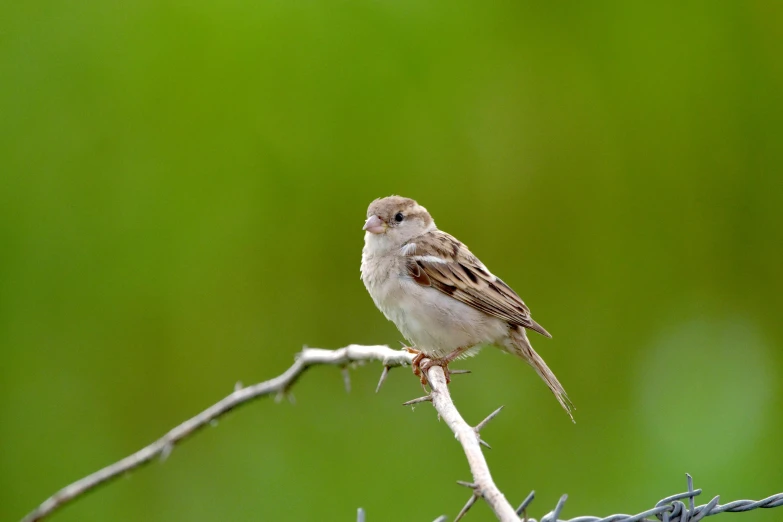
(669, 509)
(280, 386)
(483, 486)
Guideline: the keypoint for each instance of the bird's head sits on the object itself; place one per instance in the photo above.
(394, 220)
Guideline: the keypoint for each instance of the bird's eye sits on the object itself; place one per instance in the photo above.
(398, 217)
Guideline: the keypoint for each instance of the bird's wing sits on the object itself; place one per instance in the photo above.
(440, 261)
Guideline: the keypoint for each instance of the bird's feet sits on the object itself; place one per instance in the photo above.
(416, 364)
(421, 363)
(443, 363)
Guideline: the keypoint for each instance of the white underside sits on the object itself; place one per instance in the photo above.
(432, 321)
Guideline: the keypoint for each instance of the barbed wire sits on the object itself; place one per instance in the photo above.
(668, 509)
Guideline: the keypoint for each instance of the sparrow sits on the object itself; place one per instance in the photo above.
(440, 296)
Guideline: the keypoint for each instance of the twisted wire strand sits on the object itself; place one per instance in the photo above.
(668, 509)
(671, 509)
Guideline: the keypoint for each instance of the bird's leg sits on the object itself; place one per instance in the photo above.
(416, 363)
(443, 362)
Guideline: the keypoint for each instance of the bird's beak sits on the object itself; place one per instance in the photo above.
(374, 225)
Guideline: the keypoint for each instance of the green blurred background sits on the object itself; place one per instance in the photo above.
(182, 190)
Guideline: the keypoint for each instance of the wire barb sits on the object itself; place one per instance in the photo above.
(559, 507)
(689, 479)
(522, 509)
(708, 509)
(668, 509)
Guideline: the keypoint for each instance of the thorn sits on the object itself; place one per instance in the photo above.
(468, 505)
(238, 386)
(442, 518)
(285, 393)
(426, 398)
(469, 485)
(383, 378)
(459, 372)
(166, 451)
(525, 503)
(480, 426)
(346, 379)
(360, 515)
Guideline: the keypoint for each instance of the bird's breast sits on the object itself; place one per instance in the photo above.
(430, 319)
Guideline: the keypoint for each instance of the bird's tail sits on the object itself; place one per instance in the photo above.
(521, 347)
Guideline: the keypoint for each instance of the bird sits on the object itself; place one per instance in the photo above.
(441, 297)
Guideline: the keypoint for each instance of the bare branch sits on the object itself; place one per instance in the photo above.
(279, 386)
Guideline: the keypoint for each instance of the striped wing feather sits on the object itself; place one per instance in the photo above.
(459, 274)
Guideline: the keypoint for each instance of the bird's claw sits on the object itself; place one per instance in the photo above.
(443, 363)
(421, 363)
(416, 363)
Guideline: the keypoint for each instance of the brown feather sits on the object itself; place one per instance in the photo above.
(418, 274)
(462, 276)
(523, 349)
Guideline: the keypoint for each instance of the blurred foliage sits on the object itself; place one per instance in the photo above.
(182, 188)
